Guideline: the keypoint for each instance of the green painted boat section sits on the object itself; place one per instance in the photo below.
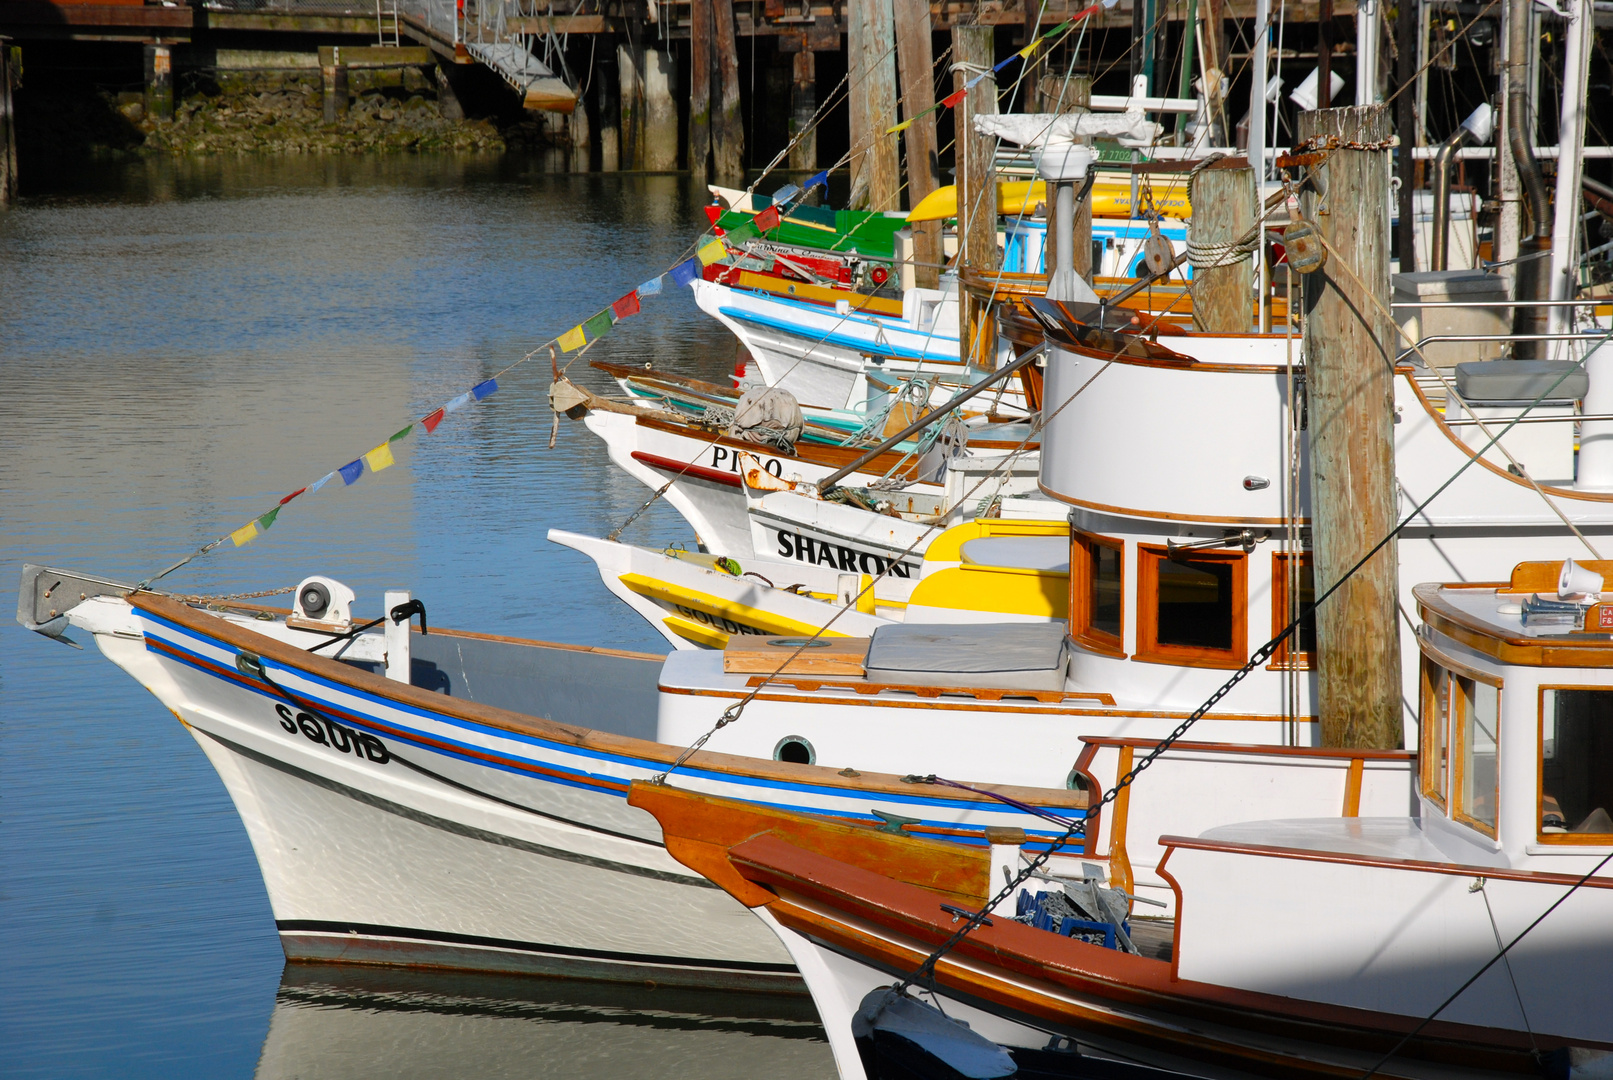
(843, 232)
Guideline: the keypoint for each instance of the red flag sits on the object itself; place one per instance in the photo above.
(293, 495)
(767, 219)
(627, 305)
(952, 99)
(432, 421)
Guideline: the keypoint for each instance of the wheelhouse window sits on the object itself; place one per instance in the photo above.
(1291, 577)
(1191, 607)
(1435, 724)
(1576, 766)
(1097, 592)
(1476, 721)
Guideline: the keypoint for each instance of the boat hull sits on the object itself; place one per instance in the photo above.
(420, 825)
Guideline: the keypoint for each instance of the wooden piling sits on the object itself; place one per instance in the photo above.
(871, 45)
(916, 57)
(728, 123)
(159, 65)
(630, 97)
(972, 49)
(1223, 197)
(608, 101)
(1349, 364)
(658, 135)
(700, 30)
(581, 142)
(803, 105)
(8, 128)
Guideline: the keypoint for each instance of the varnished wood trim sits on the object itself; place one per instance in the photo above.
(940, 703)
(832, 457)
(1336, 753)
(1286, 658)
(1156, 515)
(1562, 839)
(1119, 861)
(1150, 651)
(980, 693)
(1351, 859)
(866, 914)
(1080, 607)
(1352, 788)
(1566, 493)
(346, 675)
(1459, 626)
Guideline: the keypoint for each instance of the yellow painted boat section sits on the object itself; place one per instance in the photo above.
(699, 633)
(1109, 198)
(678, 596)
(948, 547)
(1010, 590)
(800, 290)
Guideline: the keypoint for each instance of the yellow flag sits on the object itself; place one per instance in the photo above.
(379, 458)
(572, 340)
(245, 534)
(1027, 50)
(711, 252)
(903, 126)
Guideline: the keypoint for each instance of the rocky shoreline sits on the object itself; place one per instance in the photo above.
(291, 121)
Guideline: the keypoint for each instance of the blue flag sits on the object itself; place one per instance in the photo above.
(321, 482)
(352, 471)
(651, 287)
(686, 272)
(815, 180)
(482, 389)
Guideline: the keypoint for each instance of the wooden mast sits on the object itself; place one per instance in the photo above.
(1350, 384)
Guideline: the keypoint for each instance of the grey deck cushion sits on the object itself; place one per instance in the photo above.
(1028, 552)
(1008, 656)
(1520, 380)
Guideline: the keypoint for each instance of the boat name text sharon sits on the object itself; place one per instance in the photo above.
(793, 545)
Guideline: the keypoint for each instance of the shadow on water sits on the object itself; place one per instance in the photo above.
(336, 1023)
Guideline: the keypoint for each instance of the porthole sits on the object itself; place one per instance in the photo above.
(796, 750)
(1076, 781)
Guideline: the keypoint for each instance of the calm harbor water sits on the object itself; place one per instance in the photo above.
(180, 345)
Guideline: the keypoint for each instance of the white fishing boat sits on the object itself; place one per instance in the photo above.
(840, 357)
(456, 799)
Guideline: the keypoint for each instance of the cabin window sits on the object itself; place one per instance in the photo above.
(1191, 607)
(1435, 725)
(1097, 592)
(1576, 765)
(1476, 716)
(1298, 651)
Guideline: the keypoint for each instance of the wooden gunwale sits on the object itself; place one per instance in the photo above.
(1428, 407)
(1157, 515)
(1340, 754)
(1347, 858)
(933, 704)
(808, 883)
(812, 684)
(363, 681)
(1462, 627)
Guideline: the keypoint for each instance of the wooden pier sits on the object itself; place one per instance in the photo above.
(710, 86)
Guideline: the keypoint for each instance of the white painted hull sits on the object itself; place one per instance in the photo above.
(825, 358)
(389, 832)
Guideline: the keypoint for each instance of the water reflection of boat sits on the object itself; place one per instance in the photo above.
(340, 1022)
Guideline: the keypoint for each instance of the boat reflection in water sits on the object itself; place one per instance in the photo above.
(336, 1022)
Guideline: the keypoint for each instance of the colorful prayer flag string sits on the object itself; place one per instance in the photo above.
(952, 100)
(595, 327)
